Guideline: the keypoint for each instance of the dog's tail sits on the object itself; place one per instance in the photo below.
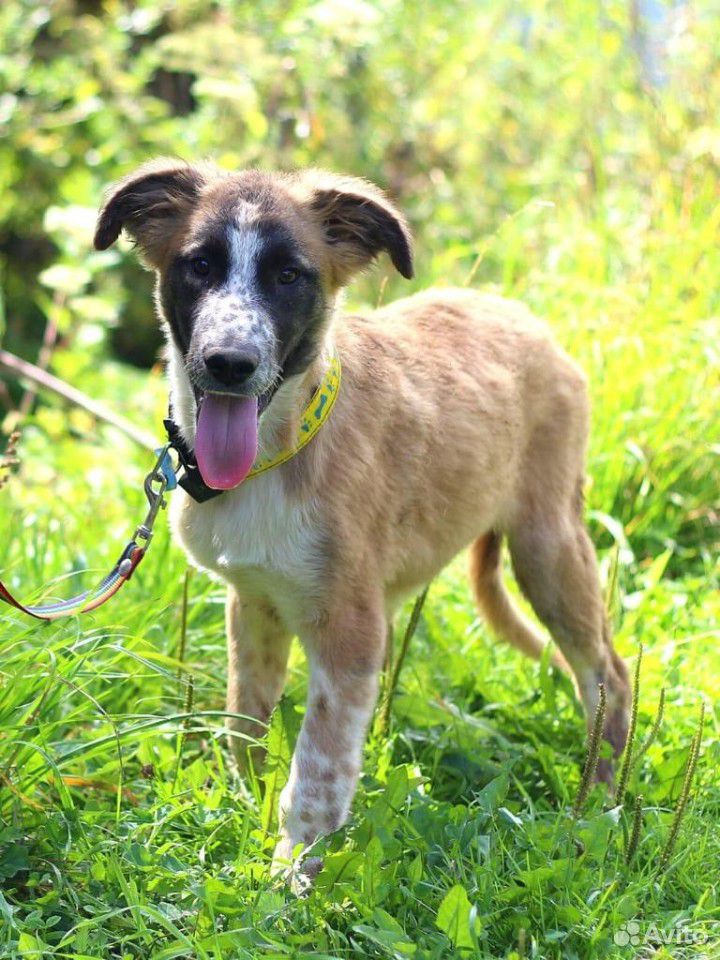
(496, 605)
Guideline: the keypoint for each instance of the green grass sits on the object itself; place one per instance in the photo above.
(124, 832)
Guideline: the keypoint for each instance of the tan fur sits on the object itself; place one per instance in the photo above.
(459, 422)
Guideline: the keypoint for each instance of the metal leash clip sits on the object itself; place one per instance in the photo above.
(161, 478)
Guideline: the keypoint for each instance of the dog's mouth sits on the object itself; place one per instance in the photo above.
(226, 436)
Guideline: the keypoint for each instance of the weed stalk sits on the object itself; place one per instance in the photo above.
(627, 760)
(182, 640)
(9, 458)
(593, 752)
(682, 803)
(634, 840)
(187, 710)
(384, 724)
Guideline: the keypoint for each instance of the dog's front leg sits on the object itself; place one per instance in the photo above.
(258, 647)
(344, 657)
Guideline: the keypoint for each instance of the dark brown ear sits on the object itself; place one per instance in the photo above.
(359, 223)
(150, 205)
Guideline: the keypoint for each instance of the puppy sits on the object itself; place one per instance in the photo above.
(458, 422)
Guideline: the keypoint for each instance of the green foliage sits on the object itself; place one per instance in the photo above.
(535, 157)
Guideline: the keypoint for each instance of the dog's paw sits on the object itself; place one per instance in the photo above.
(309, 868)
(290, 866)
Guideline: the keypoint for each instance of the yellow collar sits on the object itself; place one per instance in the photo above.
(314, 416)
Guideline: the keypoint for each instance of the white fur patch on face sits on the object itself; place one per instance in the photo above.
(181, 391)
(232, 315)
(244, 247)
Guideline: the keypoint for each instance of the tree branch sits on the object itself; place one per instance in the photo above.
(23, 370)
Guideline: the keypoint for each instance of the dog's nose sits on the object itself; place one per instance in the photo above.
(232, 367)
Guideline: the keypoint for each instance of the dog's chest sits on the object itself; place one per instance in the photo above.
(257, 538)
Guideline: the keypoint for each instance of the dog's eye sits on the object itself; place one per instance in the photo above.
(200, 266)
(288, 275)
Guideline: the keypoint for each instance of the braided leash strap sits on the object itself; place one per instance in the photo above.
(89, 599)
(161, 478)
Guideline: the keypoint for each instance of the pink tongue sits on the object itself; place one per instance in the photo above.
(226, 439)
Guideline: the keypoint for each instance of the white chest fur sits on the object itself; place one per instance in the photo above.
(260, 540)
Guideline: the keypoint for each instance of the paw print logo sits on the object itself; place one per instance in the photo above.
(628, 935)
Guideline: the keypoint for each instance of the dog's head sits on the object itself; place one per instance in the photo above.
(248, 267)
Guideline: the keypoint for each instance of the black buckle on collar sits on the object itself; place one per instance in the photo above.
(191, 481)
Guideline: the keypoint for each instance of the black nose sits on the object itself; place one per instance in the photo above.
(232, 367)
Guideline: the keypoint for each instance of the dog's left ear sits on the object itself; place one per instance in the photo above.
(358, 222)
(150, 205)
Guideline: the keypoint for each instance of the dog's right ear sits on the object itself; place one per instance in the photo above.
(358, 223)
(150, 205)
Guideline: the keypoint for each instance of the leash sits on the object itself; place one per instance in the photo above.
(160, 479)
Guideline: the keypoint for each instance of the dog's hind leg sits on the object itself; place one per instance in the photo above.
(556, 568)
(258, 647)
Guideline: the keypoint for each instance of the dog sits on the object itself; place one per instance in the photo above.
(458, 422)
